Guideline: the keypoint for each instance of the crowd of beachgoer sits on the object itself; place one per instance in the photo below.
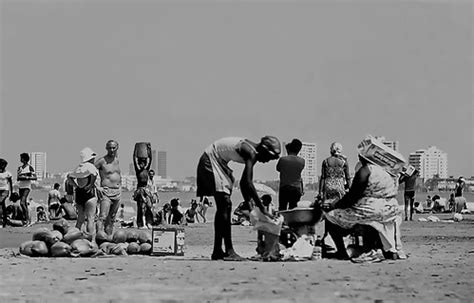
(364, 204)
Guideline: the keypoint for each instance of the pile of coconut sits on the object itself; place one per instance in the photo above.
(65, 241)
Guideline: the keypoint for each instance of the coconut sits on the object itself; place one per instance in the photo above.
(120, 236)
(144, 237)
(60, 249)
(82, 247)
(62, 226)
(45, 235)
(72, 235)
(34, 248)
(145, 248)
(132, 236)
(133, 248)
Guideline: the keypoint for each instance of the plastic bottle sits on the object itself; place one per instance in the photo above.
(317, 250)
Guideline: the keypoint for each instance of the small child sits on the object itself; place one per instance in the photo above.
(14, 211)
(41, 214)
(191, 213)
(176, 214)
(267, 244)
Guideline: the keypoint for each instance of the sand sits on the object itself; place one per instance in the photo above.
(440, 267)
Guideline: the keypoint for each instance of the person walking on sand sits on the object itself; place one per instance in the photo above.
(83, 179)
(142, 194)
(459, 201)
(25, 175)
(6, 188)
(109, 191)
(291, 183)
(409, 178)
(214, 178)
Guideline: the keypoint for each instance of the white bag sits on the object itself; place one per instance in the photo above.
(264, 223)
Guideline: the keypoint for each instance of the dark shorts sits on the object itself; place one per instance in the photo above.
(82, 196)
(206, 184)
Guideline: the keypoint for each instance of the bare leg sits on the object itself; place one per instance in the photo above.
(81, 216)
(104, 207)
(337, 234)
(407, 201)
(89, 213)
(109, 221)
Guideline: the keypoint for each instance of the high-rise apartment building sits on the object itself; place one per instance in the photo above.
(38, 161)
(161, 170)
(430, 162)
(309, 154)
(154, 160)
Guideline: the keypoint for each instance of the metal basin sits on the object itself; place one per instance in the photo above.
(300, 216)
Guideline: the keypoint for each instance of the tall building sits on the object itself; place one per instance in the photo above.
(392, 144)
(161, 170)
(430, 162)
(38, 161)
(154, 160)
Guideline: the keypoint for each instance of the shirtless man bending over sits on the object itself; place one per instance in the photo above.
(110, 187)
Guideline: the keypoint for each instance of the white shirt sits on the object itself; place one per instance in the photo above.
(4, 180)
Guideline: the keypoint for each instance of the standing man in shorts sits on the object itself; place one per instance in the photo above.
(110, 190)
(214, 178)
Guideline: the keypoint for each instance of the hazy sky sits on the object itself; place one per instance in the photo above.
(183, 74)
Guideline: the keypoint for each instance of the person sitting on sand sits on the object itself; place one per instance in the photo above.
(176, 216)
(41, 214)
(53, 201)
(214, 178)
(191, 213)
(418, 208)
(14, 211)
(370, 201)
(242, 213)
(163, 216)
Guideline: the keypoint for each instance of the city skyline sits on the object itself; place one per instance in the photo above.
(181, 76)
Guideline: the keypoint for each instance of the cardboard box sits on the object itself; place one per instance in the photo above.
(380, 154)
(167, 241)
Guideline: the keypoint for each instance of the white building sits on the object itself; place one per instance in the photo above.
(430, 162)
(309, 154)
(38, 161)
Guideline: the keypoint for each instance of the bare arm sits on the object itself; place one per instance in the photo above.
(246, 182)
(149, 159)
(361, 180)
(347, 174)
(10, 180)
(321, 180)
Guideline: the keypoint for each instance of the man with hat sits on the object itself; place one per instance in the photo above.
(214, 178)
(290, 168)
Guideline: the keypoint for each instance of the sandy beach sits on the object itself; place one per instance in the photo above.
(439, 268)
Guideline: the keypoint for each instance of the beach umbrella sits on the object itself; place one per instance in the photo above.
(264, 189)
